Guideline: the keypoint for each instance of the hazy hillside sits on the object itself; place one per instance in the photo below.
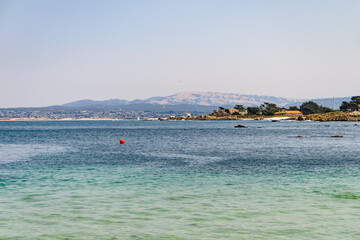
(195, 103)
(88, 102)
(220, 99)
(329, 102)
(149, 107)
(193, 98)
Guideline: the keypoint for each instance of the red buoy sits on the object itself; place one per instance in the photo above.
(122, 141)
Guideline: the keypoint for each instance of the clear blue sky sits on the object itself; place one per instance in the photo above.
(53, 52)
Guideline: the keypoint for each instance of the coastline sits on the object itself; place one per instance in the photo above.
(319, 117)
(323, 117)
(229, 117)
(60, 119)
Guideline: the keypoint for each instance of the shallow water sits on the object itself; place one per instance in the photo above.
(179, 180)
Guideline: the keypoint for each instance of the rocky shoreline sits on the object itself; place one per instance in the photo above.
(331, 117)
(325, 117)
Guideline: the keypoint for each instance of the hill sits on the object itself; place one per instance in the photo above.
(331, 102)
(195, 103)
(192, 98)
(201, 101)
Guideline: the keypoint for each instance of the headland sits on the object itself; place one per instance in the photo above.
(321, 117)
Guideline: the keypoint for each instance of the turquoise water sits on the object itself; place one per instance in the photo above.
(179, 180)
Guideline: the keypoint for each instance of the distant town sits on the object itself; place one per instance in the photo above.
(13, 114)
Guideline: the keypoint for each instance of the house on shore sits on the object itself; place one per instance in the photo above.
(289, 112)
(237, 112)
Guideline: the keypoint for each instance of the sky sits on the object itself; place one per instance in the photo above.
(54, 52)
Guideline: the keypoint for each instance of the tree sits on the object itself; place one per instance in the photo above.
(349, 106)
(356, 99)
(311, 107)
(353, 105)
(254, 111)
(293, 108)
(240, 108)
(269, 108)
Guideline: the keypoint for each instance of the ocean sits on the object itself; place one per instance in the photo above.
(179, 180)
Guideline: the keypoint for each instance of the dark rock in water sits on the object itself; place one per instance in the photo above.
(274, 120)
(337, 136)
(300, 118)
(299, 136)
(240, 126)
(356, 125)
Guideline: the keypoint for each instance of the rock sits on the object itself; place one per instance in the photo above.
(337, 136)
(240, 126)
(274, 120)
(300, 118)
(299, 136)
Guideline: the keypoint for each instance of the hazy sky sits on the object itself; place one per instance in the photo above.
(53, 52)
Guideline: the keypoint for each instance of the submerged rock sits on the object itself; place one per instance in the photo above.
(240, 126)
(299, 136)
(337, 136)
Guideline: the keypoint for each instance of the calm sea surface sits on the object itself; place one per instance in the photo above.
(179, 180)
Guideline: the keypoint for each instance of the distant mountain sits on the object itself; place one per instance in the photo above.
(195, 103)
(192, 98)
(88, 102)
(331, 102)
(220, 99)
(147, 107)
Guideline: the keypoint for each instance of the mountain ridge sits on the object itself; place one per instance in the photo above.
(191, 100)
(180, 104)
(194, 98)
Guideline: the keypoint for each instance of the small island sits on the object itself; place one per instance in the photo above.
(308, 111)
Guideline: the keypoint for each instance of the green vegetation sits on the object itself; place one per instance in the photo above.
(254, 111)
(240, 108)
(311, 107)
(269, 109)
(266, 109)
(294, 108)
(351, 106)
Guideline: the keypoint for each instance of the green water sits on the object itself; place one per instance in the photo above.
(179, 180)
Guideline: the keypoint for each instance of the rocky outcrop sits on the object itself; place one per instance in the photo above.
(326, 117)
(240, 126)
